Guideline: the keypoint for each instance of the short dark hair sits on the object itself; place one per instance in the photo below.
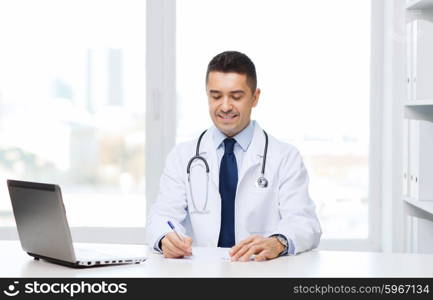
(234, 61)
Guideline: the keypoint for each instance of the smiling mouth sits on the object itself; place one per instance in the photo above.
(227, 117)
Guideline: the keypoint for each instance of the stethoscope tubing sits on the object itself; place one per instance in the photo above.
(262, 181)
(199, 157)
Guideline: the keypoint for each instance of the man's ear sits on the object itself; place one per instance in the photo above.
(256, 97)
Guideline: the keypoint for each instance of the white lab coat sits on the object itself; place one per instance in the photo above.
(283, 207)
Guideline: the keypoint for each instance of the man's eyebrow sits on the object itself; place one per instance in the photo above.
(231, 92)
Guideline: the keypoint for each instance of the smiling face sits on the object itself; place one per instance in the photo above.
(230, 101)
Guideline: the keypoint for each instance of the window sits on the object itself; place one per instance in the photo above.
(313, 64)
(72, 105)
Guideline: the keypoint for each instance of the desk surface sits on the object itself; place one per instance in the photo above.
(16, 263)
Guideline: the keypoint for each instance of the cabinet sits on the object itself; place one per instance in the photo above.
(417, 184)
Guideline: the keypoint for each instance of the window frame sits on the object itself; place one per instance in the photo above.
(376, 147)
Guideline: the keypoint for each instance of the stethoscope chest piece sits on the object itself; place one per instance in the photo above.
(262, 182)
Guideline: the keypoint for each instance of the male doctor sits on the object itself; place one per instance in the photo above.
(231, 205)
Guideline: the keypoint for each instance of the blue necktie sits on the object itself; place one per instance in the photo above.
(227, 188)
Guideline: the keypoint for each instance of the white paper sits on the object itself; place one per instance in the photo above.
(209, 254)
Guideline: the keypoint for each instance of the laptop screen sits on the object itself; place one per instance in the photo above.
(41, 219)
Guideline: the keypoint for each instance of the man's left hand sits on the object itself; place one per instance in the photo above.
(262, 248)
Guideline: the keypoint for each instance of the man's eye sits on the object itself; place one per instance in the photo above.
(237, 98)
(216, 97)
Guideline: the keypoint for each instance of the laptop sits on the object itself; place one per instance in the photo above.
(44, 231)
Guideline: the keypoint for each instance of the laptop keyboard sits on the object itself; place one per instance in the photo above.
(88, 254)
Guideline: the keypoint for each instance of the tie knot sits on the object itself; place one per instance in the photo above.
(229, 144)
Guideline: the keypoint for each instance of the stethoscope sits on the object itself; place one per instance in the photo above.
(261, 182)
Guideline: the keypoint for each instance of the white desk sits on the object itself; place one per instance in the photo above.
(16, 263)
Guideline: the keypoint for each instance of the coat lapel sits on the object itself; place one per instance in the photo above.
(254, 154)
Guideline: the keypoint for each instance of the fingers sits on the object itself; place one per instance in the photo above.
(173, 247)
(243, 243)
(241, 252)
(188, 241)
(176, 249)
(169, 251)
(261, 248)
(254, 249)
(264, 255)
(247, 248)
(169, 254)
(184, 245)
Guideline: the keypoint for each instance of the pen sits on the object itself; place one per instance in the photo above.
(174, 230)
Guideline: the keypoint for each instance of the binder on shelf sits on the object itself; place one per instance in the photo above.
(413, 158)
(405, 184)
(421, 160)
(422, 50)
(409, 61)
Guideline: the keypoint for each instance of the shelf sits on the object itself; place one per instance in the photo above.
(427, 102)
(426, 206)
(419, 4)
(419, 110)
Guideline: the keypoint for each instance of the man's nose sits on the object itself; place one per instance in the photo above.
(226, 105)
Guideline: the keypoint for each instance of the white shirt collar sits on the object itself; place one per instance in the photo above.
(243, 138)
